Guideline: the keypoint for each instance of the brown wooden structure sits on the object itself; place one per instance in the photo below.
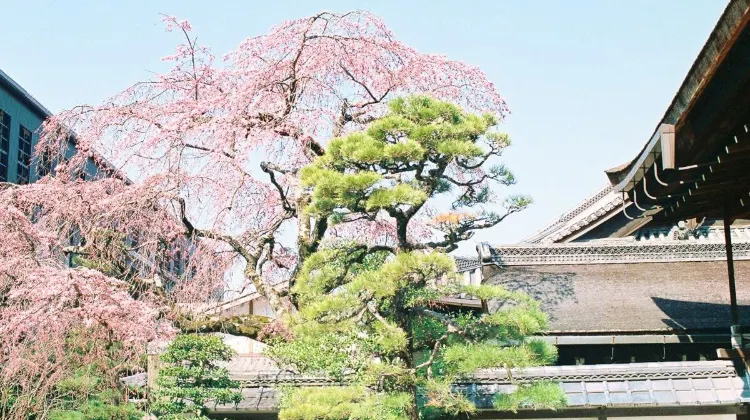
(696, 163)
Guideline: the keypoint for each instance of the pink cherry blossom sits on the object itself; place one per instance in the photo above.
(211, 151)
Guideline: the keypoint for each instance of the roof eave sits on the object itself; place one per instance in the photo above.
(22, 95)
(732, 21)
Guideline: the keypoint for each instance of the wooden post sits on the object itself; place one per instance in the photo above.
(152, 367)
(736, 333)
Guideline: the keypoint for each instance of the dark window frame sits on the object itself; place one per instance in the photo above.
(5, 121)
(25, 144)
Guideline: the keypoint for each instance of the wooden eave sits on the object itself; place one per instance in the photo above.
(711, 151)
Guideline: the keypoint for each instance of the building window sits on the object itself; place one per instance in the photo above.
(24, 155)
(44, 165)
(4, 145)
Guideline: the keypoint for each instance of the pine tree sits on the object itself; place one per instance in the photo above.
(368, 313)
(191, 381)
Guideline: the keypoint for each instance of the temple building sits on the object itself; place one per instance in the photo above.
(639, 310)
(653, 271)
(619, 290)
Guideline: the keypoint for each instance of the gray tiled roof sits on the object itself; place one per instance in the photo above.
(663, 296)
(656, 384)
(589, 386)
(466, 264)
(590, 210)
(618, 251)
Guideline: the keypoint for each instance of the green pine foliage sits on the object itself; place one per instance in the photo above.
(191, 381)
(87, 395)
(368, 314)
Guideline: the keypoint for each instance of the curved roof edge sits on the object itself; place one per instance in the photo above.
(570, 222)
(704, 65)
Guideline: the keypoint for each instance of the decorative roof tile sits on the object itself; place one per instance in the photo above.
(590, 210)
(647, 248)
(466, 264)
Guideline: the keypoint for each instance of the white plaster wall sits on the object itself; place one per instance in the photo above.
(243, 346)
(241, 309)
(263, 308)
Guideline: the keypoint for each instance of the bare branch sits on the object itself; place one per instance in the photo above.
(433, 354)
(269, 169)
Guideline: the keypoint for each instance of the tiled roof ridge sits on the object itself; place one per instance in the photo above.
(545, 233)
(610, 252)
(593, 217)
(571, 373)
(466, 263)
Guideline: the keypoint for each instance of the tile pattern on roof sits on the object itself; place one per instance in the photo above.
(702, 234)
(613, 385)
(661, 392)
(654, 298)
(595, 215)
(618, 251)
(612, 372)
(586, 213)
(466, 264)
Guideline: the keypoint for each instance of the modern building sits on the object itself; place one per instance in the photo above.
(21, 117)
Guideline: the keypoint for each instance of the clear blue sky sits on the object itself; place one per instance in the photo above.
(587, 81)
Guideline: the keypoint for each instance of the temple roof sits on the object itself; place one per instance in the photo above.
(664, 384)
(601, 216)
(599, 205)
(694, 165)
(660, 244)
(712, 54)
(685, 296)
(466, 264)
